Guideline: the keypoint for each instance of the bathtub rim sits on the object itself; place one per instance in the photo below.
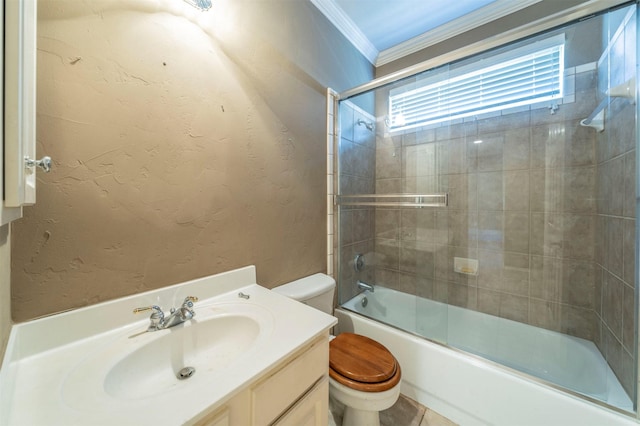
(633, 415)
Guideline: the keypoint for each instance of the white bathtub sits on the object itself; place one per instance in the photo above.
(470, 390)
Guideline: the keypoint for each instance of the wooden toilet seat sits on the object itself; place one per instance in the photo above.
(362, 364)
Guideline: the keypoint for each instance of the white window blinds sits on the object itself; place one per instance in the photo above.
(523, 80)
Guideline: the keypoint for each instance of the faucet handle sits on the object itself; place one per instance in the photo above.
(188, 301)
(156, 318)
(156, 310)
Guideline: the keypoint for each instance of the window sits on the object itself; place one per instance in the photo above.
(522, 76)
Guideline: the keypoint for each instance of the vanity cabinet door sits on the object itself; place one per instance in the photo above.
(294, 393)
(220, 418)
(234, 412)
(311, 410)
(280, 390)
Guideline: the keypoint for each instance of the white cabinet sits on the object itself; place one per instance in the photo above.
(233, 412)
(19, 108)
(293, 393)
(311, 410)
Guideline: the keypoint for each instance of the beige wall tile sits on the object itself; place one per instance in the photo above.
(578, 283)
(629, 195)
(516, 190)
(388, 163)
(576, 322)
(491, 230)
(578, 236)
(614, 245)
(387, 224)
(628, 318)
(546, 273)
(491, 191)
(503, 305)
(545, 314)
(517, 148)
(578, 190)
(387, 254)
(612, 303)
(417, 258)
(516, 232)
(490, 153)
(462, 295)
(629, 251)
(419, 160)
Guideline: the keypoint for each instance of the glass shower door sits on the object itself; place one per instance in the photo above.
(506, 229)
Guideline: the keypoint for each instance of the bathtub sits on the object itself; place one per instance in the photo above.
(457, 380)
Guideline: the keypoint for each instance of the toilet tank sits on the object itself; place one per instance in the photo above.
(315, 290)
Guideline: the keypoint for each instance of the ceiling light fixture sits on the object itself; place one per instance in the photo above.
(200, 4)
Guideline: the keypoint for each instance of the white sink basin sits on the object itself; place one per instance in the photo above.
(134, 365)
(205, 346)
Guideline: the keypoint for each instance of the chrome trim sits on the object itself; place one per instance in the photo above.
(367, 124)
(397, 204)
(419, 200)
(555, 20)
(158, 320)
(44, 163)
(366, 287)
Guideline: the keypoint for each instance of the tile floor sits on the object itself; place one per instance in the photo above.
(405, 412)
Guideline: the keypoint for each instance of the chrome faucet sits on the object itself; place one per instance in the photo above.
(158, 321)
(366, 287)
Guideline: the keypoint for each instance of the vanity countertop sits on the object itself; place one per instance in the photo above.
(68, 368)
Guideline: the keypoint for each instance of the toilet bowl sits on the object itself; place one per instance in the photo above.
(363, 374)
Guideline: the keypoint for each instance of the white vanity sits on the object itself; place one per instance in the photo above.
(248, 357)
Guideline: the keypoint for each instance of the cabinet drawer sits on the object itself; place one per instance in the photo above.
(275, 394)
(311, 410)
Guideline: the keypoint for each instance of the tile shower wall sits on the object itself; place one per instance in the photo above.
(545, 205)
(357, 176)
(521, 203)
(614, 304)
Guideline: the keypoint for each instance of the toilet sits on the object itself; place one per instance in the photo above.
(363, 374)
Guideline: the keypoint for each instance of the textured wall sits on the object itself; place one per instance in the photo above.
(5, 293)
(184, 144)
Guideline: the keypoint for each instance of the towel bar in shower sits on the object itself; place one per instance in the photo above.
(394, 200)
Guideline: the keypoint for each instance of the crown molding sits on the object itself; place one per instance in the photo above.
(348, 28)
(482, 16)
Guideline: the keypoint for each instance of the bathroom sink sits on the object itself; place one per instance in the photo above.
(134, 365)
(181, 354)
